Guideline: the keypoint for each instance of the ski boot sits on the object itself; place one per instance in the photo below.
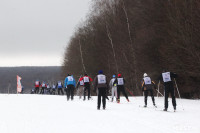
(118, 100)
(165, 109)
(104, 108)
(145, 106)
(174, 108)
(128, 100)
(154, 105)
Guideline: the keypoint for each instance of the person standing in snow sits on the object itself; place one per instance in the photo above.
(113, 87)
(120, 87)
(53, 91)
(147, 87)
(80, 87)
(70, 84)
(44, 86)
(48, 89)
(167, 78)
(37, 86)
(101, 87)
(59, 86)
(86, 80)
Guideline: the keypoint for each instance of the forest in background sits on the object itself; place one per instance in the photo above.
(133, 37)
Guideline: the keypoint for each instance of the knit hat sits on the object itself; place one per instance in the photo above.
(119, 75)
(100, 72)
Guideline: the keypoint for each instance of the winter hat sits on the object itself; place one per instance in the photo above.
(145, 75)
(119, 75)
(100, 72)
(114, 76)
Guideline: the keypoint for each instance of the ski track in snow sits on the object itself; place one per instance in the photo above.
(54, 114)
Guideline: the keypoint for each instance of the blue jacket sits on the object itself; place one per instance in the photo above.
(70, 81)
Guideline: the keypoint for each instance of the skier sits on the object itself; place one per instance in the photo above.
(48, 89)
(113, 87)
(86, 80)
(101, 87)
(37, 86)
(53, 91)
(147, 86)
(80, 87)
(70, 84)
(167, 78)
(32, 90)
(60, 86)
(44, 86)
(120, 87)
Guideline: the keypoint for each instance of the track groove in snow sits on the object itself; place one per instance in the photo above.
(54, 114)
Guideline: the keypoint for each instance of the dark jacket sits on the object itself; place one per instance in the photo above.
(98, 85)
(148, 86)
(172, 76)
(116, 82)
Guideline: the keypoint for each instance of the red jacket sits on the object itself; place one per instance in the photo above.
(86, 79)
(37, 84)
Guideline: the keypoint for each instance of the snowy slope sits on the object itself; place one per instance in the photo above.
(53, 114)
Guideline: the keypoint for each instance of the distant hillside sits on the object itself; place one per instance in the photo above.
(29, 75)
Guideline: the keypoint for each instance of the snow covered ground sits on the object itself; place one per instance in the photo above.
(54, 114)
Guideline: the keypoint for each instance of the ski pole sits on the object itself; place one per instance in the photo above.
(129, 91)
(178, 92)
(159, 93)
(158, 89)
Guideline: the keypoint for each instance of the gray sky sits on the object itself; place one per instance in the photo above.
(35, 32)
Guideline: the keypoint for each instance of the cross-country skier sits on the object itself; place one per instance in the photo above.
(44, 86)
(48, 89)
(37, 86)
(53, 91)
(86, 80)
(70, 84)
(120, 87)
(80, 87)
(101, 87)
(60, 88)
(147, 87)
(167, 77)
(113, 87)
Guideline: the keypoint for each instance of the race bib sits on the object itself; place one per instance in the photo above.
(147, 80)
(43, 85)
(81, 82)
(37, 83)
(54, 86)
(166, 77)
(86, 79)
(70, 78)
(59, 84)
(120, 81)
(101, 79)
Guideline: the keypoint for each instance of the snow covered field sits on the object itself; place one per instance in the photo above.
(54, 114)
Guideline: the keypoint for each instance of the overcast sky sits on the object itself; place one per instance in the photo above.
(36, 32)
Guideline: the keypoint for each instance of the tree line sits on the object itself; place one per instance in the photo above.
(133, 37)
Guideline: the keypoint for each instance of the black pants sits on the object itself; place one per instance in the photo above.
(36, 90)
(42, 90)
(146, 95)
(87, 88)
(60, 90)
(70, 92)
(101, 94)
(169, 89)
(120, 88)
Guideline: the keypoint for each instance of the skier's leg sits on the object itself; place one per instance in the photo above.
(145, 97)
(84, 93)
(152, 96)
(115, 91)
(72, 93)
(88, 92)
(166, 97)
(172, 91)
(123, 91)
(99, 99)
(118, 94)
(104, 97)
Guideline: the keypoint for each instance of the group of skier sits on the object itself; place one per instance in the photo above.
(102, 86)
(45, 88)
